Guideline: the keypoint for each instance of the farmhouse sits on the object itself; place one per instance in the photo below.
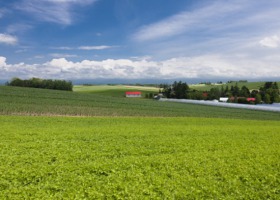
(133, 94)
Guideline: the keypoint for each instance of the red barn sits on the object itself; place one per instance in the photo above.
(251, 99)
(133, 94)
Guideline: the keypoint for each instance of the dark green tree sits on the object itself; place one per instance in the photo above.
(41, 83)
(214, 93)
(258, 99)
(267, 99)
(178, 90)
(244, 92)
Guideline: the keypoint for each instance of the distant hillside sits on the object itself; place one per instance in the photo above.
(114, 90)
(32, 101)
(250, 85)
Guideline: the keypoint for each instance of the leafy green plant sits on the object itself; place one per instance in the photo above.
(138, 158)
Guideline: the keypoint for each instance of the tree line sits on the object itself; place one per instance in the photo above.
(42, 83)
(269, 93)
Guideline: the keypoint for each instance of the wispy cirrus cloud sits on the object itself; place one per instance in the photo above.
(8, 39)
(236, 18)
(60, 55)
(1, 13)
(101, 47)
(95, 47)
(62, 48)
(18, 28)
(186, 21)
(55, 11)
(225, 28)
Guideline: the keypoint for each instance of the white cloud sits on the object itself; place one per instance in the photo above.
(55, 11)
(2, 61)
(271, 42)
(204, 67)
(8, 39)
(59, 55)
(95, 47)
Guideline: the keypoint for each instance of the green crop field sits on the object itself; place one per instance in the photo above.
(32, 101)
(138, 158)
(91, 144)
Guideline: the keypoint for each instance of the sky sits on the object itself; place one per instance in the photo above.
(140, 39)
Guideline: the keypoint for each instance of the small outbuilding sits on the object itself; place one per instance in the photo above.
(223, 99)
(158, 96)
(133, 94)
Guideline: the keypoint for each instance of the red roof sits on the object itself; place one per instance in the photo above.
(251, 99)
(133, 93)
(248, 99)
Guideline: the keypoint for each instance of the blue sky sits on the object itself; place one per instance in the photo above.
(139, 39)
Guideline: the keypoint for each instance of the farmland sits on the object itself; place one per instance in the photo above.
(138, 158)
(31, 101)
(91, 144)
(114, 90)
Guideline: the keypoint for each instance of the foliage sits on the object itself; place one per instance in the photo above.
(33, 101)
(244, 92)
(258, 99)
(198, 95)
(242, 100)
(214, 93)
(269, 89)
(270, 92)
(267, 99)
(128, 158)
(178, 90)
(42, 83)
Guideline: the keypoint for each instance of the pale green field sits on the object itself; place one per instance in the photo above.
(97, 88)
(138, 158)
(115, 90)
(250, 85)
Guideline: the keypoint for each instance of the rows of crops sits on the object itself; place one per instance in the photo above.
(31, 101)
(138, 158)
